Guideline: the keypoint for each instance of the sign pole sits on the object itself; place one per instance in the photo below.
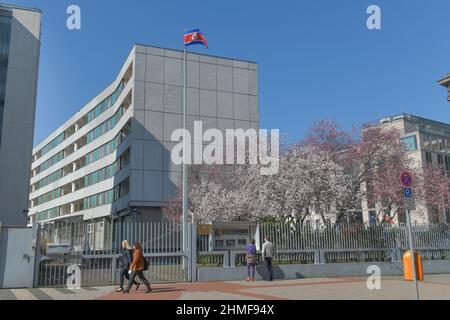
(409, 204)
(411, 248)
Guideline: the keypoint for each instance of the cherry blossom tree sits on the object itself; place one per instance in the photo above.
(432, 189)
(330, 172)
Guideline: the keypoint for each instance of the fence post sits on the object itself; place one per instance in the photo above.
(113, 270)
(397, 255)
(193, 262)
(226, 259)
(37, 255)
(232, 258)
(319, 257)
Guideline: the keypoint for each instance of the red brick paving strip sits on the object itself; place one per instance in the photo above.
(174, 291)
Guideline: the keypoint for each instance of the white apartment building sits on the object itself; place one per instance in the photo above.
(112, 158)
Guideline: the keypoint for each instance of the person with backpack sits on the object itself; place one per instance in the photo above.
(125, 262)
(137, 266)
(251, 260)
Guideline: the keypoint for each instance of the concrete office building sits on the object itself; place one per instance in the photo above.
(113, 157)
(19, 63)
(428, 143)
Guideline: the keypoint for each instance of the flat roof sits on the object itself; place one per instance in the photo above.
(445, 82)
(413, 117)
(200, 54)
(13, 6)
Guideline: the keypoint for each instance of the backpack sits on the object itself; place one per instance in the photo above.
(145, 264)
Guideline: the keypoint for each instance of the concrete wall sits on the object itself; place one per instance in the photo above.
(222, 93)
(18, 117)
(286, 272)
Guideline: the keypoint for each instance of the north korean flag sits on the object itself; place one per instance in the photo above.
(194, 37)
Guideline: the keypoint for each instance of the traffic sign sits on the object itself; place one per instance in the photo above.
(407, 192)
(406, 179)
(409, 204)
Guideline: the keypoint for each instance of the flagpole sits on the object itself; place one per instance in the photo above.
(185, 182)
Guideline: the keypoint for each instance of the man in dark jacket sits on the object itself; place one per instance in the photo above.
(125, 261)
(137, 268)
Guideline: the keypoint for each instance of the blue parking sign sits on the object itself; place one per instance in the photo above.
(407, 192)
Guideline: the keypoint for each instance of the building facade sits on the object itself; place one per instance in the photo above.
(19, 64)
(428, 143)
(112, 159)
(445, 82)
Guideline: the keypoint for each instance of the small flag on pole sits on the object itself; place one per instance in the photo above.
(194, 37)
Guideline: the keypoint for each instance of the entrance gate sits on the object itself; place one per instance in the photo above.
(89, 252)
(17, 257)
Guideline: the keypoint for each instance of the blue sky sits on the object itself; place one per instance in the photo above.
(317, 59)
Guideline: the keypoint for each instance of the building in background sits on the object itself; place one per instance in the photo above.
(19, 63)
(445, 82)
(428, 143)
(112, 159)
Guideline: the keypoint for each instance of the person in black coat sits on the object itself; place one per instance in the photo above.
(125, 261)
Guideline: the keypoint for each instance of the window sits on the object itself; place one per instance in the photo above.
(50, 162)
(447, 215)
(410, 143)
(372, 217)
(442, 145)
(105, 104)
(447, 163)
(434, 144)
(428, 159)
(440, 159)
(426, 143)
(51, 145)
(5, 37)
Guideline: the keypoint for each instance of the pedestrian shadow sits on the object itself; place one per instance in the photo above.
(278, 273)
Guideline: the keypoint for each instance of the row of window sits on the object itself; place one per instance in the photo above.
(105, 104)
(436, 143)
(48, 214)
(5, 33)
(107, 197)
(105, 149)
(51, 162)
(442, 160)
(5, 37)
(94, 113)
(49, 179)
(94, 201)
(89, 158)
(92, 135)
(105, 126)
(57, 141)
(52, 195)
(107, 172)
(89, 180)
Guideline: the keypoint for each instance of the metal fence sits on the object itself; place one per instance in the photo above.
(357, 242)
(296, 244)
(95, 248)
(356, 236)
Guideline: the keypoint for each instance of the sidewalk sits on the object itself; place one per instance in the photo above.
(392, 288)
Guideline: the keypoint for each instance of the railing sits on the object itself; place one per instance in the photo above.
(342, 244)
(95, 248)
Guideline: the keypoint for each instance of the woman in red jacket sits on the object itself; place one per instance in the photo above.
(137, 268)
